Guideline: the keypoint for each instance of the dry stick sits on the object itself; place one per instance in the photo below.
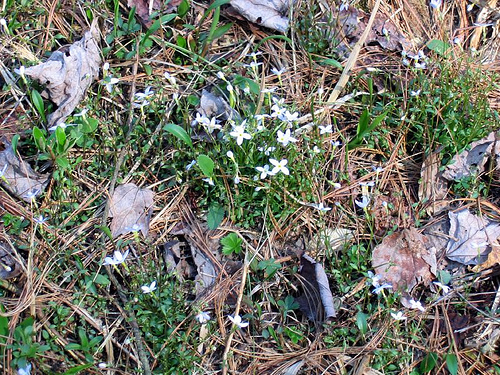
(351, 61)
(236, 312)
(121, 157)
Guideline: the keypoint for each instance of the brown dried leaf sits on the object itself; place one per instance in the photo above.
(471, 237)
(493, 258)
(433, 187)
(68, 74)
(142, 8)
(317, 299)
(403, 260)
(214, 106)
(272, 14)
(17, 177)
(471, 161)
(131, 208)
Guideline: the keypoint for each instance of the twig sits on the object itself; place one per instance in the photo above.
(236, 312)
(352, 60)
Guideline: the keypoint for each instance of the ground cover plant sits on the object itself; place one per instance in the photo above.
(221, 187)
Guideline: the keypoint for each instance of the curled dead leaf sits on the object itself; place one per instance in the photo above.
(272, 14)
(131, 208)
(403, 259)
(17, 176)
(68, 74)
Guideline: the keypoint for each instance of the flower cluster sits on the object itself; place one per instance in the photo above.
(418, 60)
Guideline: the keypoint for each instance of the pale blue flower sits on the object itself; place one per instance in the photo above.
(117, 258)
(238, 321)
(149, 288)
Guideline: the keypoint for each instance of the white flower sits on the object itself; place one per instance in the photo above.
(435, 3)
(105, 66)
(365, 201)
(421, 65)
(21, 70)
(266, 151)
(82, 113)
(253, 55)
(210, 180)
(279, 166)
(344, 6)
(170, 78)
(142, 96)
(278, 112)
(31, 195)
(285, 138)
(116, 259)
(230, 154)
(321, 91)
(175, 96)
(456, 40)
(102, 365)
(445, 288)
(253, 65)
(367, 184)
(316, 149)
(237, 180)
(269, 90)
(469, 7)
(61, 125)
(230, 87)
(336, 185)
(202, 317)
(3, 23)
(149, 288)
(421, 54)
(406, 62)
(320, 207)
(212, 125)
(24, 371)
(398, 316)
(246, 89)
(264, 171)
(109, 83)
(417, 305)
(385, 32)
(377, 169)
(374, 279)
(240, 134)
(40, 220)
(291, 116)
(190, 165)
(325, 129)
(335, 143)
(415, 93)
(200, 119)
(379, 288)
(237, 321)
(278, 72)
(220, 75)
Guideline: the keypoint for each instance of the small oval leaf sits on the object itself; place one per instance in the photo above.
(179, 133)
(206, 165)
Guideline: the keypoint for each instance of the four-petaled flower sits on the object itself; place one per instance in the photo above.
(278, 72)
(40, 220)
(202, 317)
(286, 137)
(435, 4)
(190, 165)
(279, 166)
(415, 93)
(109, 82)
(24, 370)
(379, 288)
(374, 279)
(445, 288)
(142, 96)
(237, 321)
(264, 171)
(417, 305)
(212, 125)
(364, 202)
(321, 207)
(149, 288)
(210, 180)
(117, 258)
(325, 129)
(31, 195)
(200, 119)
(240, 134)
(398, 316)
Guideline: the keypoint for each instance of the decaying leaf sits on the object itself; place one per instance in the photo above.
(68, 74)
(433, 187)
(17, 177)
(294, 368)
(317, 301)
(214, 106)
(403, 259)
(144, 8)
(493, 258)
(331, 240)
(437, 234)
(471, 237)
(131, 208)
(9, 267)
(471, 161)
(272, 14)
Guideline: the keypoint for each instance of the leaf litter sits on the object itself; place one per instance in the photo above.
(17, 176)
(131, 208)
(68, 73)
(272, 14)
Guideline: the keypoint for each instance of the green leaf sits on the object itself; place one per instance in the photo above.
(179, 133)
(14, 143)
(83, 338)
(363, 123)
(206, 165)
(39, 138)
(361, 322)
(231, 244)
(37, 101)
(96, 340)
(183, 8)
(452, 363)
(215, 4)
(438, 46)
(429, 362)
(60, 136)
(215, 216)
(73, 346)
(77, 369)
(101, 280)
(221, 31)
(90, 125)
(331, 62)
(241, 81)
(63, 162)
